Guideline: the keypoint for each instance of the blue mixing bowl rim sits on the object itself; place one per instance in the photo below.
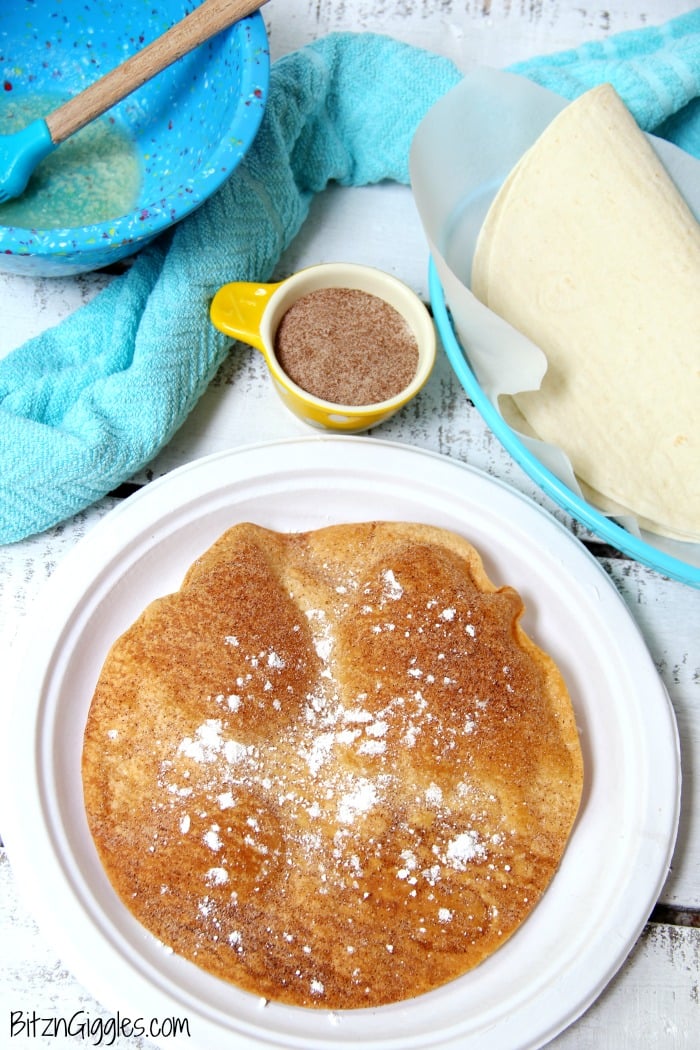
(606, 528)
(154, 217)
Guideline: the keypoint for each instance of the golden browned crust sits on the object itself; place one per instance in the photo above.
(332, 768)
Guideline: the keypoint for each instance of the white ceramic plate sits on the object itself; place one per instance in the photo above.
(617, 859)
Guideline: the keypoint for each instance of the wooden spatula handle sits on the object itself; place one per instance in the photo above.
(204, 22)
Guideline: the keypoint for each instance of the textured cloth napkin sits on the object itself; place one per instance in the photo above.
(86, 404)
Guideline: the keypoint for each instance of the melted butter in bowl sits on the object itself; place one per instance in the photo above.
(152, 159)
(91, 177)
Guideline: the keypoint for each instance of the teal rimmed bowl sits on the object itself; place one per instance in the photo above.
(603, 526)
(149, 162)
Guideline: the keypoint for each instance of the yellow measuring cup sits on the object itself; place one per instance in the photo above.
(252, 312)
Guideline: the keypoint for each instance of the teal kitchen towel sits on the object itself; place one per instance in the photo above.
(86, 404)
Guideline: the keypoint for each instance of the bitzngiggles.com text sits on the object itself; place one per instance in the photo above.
(97, 1031)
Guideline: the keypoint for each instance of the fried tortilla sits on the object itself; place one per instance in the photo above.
(332, 768)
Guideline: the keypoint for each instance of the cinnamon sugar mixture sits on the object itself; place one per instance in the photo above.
(346, 346)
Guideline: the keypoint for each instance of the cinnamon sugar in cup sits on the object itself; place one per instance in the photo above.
(346, 345)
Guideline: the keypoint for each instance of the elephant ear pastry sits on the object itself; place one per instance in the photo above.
(591, 252)
(332, 768)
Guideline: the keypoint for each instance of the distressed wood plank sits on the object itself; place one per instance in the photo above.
(488, 32)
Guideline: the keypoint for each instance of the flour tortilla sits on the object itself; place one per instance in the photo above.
(591, 252)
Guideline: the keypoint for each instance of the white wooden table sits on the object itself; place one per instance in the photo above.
(654, 1001)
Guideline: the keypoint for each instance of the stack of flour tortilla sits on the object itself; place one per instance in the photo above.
(590, 251)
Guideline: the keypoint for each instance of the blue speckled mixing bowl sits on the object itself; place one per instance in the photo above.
(189, 127)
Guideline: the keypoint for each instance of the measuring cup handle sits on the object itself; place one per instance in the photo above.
(237, 310)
